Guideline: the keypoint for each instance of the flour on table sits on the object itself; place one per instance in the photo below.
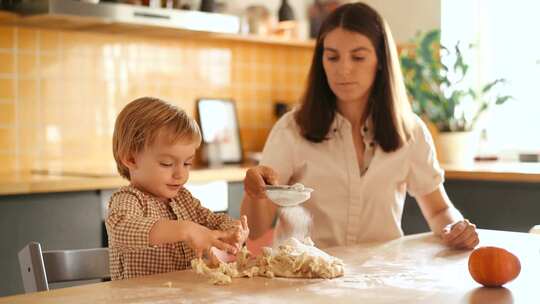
(292, 259)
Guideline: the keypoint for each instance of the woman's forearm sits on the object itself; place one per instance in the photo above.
(442, 218)
(260, 214)
(438, 210)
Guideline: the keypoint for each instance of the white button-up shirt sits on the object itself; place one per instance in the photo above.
(353, 204)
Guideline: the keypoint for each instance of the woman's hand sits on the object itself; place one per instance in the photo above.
(255, 180)
(446, 221)
(201, 239)
(460, 235)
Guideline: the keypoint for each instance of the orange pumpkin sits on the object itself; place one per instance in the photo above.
(493, 266)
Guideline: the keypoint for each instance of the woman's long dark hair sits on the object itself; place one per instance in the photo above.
(387, 106)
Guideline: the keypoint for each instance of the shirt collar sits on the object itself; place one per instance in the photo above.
(340, 123)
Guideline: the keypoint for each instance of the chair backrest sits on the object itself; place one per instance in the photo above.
(39, 268)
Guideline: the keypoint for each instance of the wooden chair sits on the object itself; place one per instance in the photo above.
(39, 268)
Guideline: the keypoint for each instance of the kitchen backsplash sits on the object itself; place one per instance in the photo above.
(60, 91)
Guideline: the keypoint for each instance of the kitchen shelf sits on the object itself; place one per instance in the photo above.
(100, 25)
(7, 17)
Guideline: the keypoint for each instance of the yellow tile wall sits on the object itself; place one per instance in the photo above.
(60, 91)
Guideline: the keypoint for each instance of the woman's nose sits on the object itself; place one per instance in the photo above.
(345, 66)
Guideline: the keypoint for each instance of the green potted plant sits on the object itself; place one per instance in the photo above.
(434, 78)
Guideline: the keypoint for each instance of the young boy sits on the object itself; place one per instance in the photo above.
(154, 224)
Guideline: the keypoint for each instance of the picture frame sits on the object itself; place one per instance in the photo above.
(220, 130)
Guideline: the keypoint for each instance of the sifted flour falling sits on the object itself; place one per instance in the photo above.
(292, 222)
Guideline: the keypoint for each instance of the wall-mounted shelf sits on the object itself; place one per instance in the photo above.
(126, 19)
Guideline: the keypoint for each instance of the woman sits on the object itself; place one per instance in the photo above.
(355, 140)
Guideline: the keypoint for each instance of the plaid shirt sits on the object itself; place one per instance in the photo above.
(132, 213)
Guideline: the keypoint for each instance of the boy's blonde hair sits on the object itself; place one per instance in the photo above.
(139, 123)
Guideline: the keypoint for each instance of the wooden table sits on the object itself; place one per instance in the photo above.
(413, 269)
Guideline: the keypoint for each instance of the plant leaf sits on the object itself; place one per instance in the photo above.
(438, 93)
(502, 99)
(486, 88)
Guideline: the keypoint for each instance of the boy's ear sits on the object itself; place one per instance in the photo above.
(129, 161)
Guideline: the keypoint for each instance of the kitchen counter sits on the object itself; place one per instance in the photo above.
(494, 171)
(43, 182)
(412, 269)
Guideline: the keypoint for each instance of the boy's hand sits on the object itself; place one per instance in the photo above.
(239, 233)
(201, 239)
(216, 256)
(460, 235)
(256, 178)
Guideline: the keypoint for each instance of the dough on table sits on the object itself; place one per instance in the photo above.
(292, 259)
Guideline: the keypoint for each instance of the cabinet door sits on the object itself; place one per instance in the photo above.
(68, 220)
